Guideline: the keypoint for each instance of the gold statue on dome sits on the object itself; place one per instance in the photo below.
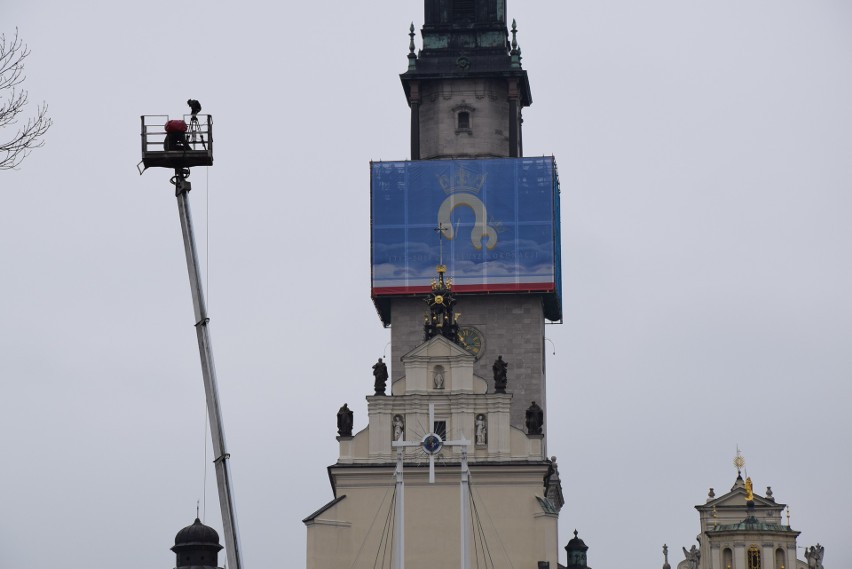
(749, 490)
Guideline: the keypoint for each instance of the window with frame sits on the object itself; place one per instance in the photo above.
(728, 558)
(753, 557)
(779, 558)
(440, 429)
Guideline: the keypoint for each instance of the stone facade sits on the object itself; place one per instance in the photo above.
(465, 90)
(486, 132)
(512, 514)
(512, 325)
(738, 533)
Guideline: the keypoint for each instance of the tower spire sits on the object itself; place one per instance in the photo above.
(466, 44)
(516, 50)
(440, 231)
(739, 462)
(442, 319)
(412, 57)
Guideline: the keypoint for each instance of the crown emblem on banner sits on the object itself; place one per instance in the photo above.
(463, 180)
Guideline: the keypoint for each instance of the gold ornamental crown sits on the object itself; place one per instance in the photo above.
(442, 283)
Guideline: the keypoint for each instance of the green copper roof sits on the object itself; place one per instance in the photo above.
(752, 524)
(547, 505)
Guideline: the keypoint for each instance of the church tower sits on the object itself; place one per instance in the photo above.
(451, 469)
(466, 90)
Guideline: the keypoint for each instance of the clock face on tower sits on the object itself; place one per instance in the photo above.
(472, 340)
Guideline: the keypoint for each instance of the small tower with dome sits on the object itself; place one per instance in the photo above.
(197, 546)
(576, 552)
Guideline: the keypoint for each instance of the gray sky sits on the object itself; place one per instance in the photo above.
(704, 152)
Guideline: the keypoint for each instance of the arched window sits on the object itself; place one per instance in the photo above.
(463, 114)
(727, 559)
(753, 557)
(779, 559)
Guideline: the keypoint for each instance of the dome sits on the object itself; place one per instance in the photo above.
(577, 544)
(197, 546)
(576, 550)
(197, 534)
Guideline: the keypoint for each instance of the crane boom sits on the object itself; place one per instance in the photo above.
(208, 370)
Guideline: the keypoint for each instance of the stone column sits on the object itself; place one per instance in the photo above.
(514, 118)
(414, 102)
(520, 131)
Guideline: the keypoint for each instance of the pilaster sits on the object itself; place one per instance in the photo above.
(715, 557)
(740, 556)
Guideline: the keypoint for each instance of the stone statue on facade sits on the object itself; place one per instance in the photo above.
(439, 377)
(553, 485)
(380, 374)
(500, 379)
(552, 471)
(693, 556)
(814, 555)
(481, 430)
(344, 421)
(535, 419)
(398, 428)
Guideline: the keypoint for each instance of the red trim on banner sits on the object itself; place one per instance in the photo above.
(507, 287)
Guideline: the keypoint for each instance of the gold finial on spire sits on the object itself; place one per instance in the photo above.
(739, 461)
(444, 320)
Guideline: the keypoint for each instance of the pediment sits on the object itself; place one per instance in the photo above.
(438, 347)
(438, 365)
(736, 498)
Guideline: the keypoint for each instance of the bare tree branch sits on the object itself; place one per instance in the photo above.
(13, 99)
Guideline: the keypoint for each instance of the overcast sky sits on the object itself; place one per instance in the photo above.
(704, 152)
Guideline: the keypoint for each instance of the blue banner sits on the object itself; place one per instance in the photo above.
(493, 222)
